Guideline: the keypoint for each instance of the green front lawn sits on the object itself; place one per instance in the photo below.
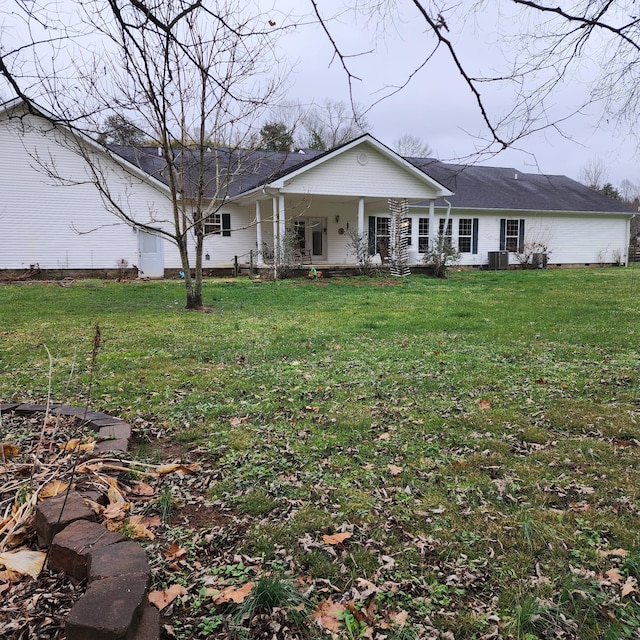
(477, 436)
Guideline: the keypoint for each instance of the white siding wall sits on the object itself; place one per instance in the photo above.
(570, 238)
(222, 249)
(62, 226)
(68, 226)
(344, 175)
(585, 240)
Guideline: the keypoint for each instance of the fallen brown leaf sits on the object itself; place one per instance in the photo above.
(139, 532)
(115, 510)
(328, 615)
(146, 521)
(75, 445)
(9, 450)
(7, 576)
(614, 576)
(53, 489)
(580, 507)
(614, 552)
(233, 594)
(142, 489)
(394, 470)
(24, 561)
(174, 552)
(400, 618)
(113, 525)
(164, 469)
(114, 494)
(628, 587)
(336, 538)
(162, 599)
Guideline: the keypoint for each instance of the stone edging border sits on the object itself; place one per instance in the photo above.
(115, 604)
(113, 434)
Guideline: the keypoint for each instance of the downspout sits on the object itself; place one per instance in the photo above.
(446, 225)
(446, 218)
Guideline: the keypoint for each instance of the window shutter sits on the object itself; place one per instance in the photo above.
(372, 235)
(503, 234)
(521, 237)
(226, 224)
(474, 239)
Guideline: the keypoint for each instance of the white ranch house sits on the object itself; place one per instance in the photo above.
(67, 226)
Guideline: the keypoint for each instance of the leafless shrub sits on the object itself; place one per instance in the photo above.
(358, 246)
(441, 255)
(533, 255)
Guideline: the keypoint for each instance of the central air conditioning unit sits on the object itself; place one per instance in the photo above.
(498, 260)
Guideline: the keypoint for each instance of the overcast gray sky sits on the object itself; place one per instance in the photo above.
(437, 105)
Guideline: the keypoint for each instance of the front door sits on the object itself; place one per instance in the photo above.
(317, 237)
(150, 255)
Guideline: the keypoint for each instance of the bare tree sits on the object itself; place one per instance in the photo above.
(333, 123)
(188, 71)
(290, 114)
(628, 190)
(594, 174)
(546, 47)
(412, 146)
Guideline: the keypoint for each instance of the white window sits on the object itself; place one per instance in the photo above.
(379, 234)
(213, 223)
(423, 235)
(511, 235)
(383, 232)
(446, 233)
(441, 229)
(465, 233)
(468, 235)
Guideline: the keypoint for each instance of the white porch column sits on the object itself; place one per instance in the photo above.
(276, 244)
(259, 259)
(361, 217)
(432, 222)
(282, 222)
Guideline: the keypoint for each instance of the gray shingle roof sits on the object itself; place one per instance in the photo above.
(474, 187)
(240, 170)
(481, 187)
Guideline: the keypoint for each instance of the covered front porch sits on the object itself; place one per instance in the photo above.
(325, 231)
(335, 209)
